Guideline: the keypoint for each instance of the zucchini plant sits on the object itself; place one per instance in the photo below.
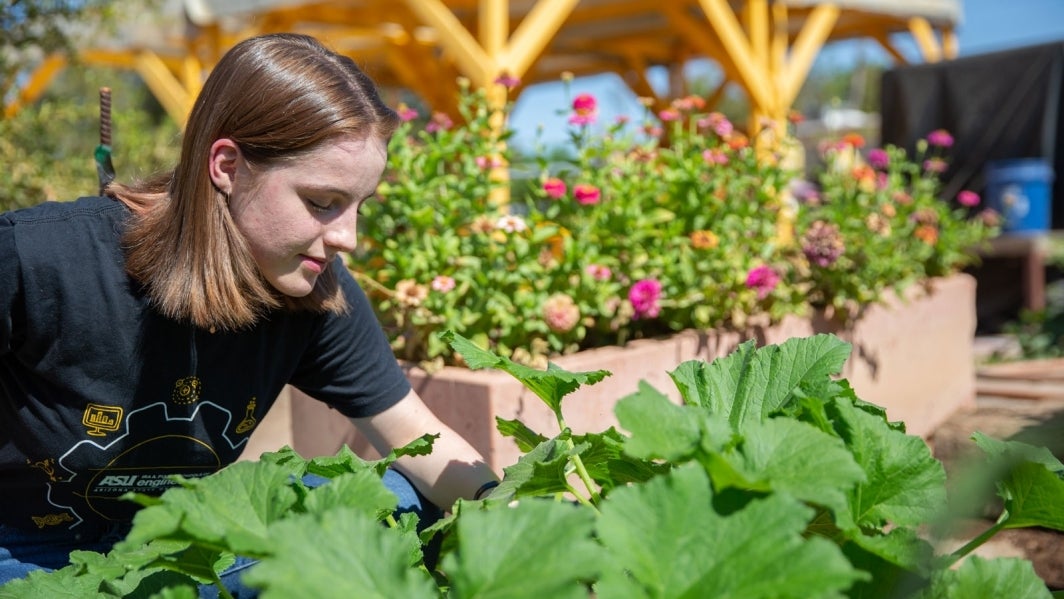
(770, 478)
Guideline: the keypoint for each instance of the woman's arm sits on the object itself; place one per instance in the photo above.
(453, 470)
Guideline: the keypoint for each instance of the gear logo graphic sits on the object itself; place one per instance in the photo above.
(153, 447)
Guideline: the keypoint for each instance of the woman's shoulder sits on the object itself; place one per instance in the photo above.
(52, 212)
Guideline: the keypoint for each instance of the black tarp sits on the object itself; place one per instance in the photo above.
(998, 105)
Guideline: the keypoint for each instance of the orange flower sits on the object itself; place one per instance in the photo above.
(704, 240)
(927, 234)
(853, 139)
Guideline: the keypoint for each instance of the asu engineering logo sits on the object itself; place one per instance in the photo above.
(142, 453)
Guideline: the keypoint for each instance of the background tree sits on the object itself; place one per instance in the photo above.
(48, 146)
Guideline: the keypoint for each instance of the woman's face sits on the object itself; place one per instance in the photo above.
(298, 215)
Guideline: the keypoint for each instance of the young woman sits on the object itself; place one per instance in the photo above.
(146, 333)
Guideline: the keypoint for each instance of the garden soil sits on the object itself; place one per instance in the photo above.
(1031, 417)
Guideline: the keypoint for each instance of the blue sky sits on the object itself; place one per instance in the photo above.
(986, 26)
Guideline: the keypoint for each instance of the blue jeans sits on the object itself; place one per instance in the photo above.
(22, 552)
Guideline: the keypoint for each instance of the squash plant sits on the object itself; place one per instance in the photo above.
(770, 479)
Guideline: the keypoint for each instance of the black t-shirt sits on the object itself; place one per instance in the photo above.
(100, 395)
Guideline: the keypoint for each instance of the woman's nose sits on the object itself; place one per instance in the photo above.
(341, 233)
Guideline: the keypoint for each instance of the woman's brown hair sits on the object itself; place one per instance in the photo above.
(278, 97)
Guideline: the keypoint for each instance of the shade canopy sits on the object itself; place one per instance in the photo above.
(766, 47)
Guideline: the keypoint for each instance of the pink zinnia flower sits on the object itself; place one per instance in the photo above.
(940, 138)
(440, 122)
(406, 113)
(968, 198)
(508, 80)
(935, 165)
(669, 114)
(561, 313)
(644, 296)
(599, 272)
(718, 123)
(878, 158)
(488, 162)
(763, 279)
(585, 108)
(442, 283)
(554, 188)
(586, 194)
(715, 156)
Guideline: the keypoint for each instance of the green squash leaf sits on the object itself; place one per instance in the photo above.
(337, 554)
(667, 541)
(550, 385)
(536, 548)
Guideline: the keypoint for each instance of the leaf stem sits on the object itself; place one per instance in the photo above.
(976, 542)
(580, 498)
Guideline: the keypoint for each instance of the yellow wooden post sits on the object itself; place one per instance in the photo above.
(752, 75)
(164, 85)
(38, 81)
(925, 39)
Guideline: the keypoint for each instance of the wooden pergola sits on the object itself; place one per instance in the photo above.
(766, 47)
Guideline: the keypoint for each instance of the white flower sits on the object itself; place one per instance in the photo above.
(511, 224)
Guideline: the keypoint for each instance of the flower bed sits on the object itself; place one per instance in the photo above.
(913, 356)
(639, 230)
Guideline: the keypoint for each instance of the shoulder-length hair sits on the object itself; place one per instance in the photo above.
(278, 97)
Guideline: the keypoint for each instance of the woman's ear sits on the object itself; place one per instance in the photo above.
(222, 164)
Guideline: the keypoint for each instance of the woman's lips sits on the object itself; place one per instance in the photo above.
(315, 265)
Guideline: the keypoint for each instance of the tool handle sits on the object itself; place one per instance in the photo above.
(105, 116)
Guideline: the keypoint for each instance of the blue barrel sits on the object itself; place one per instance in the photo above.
(1020, 190)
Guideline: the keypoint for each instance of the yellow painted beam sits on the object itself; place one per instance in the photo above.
(752, 76)
(950, 44)
(191, 74)
(694, 34)
(815, 31)
(38, 81)
(755, 18)
(470, 57)
(780, 41)
(537, 29)
(925, 39)
(494, 26)
(176, 100)
(891, 49)
(638, 82)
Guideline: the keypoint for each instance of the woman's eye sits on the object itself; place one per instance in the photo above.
(318, 206)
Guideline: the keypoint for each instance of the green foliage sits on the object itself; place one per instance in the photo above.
(675, 222)
(769, 478)
(49, 145)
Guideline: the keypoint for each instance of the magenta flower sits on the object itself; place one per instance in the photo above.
(645, 296)
(554, 188)
(968, 198)
(763, 279)
(878, 158)
(940, 138)
(585, 108)
(586, 194)
(508, 80)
